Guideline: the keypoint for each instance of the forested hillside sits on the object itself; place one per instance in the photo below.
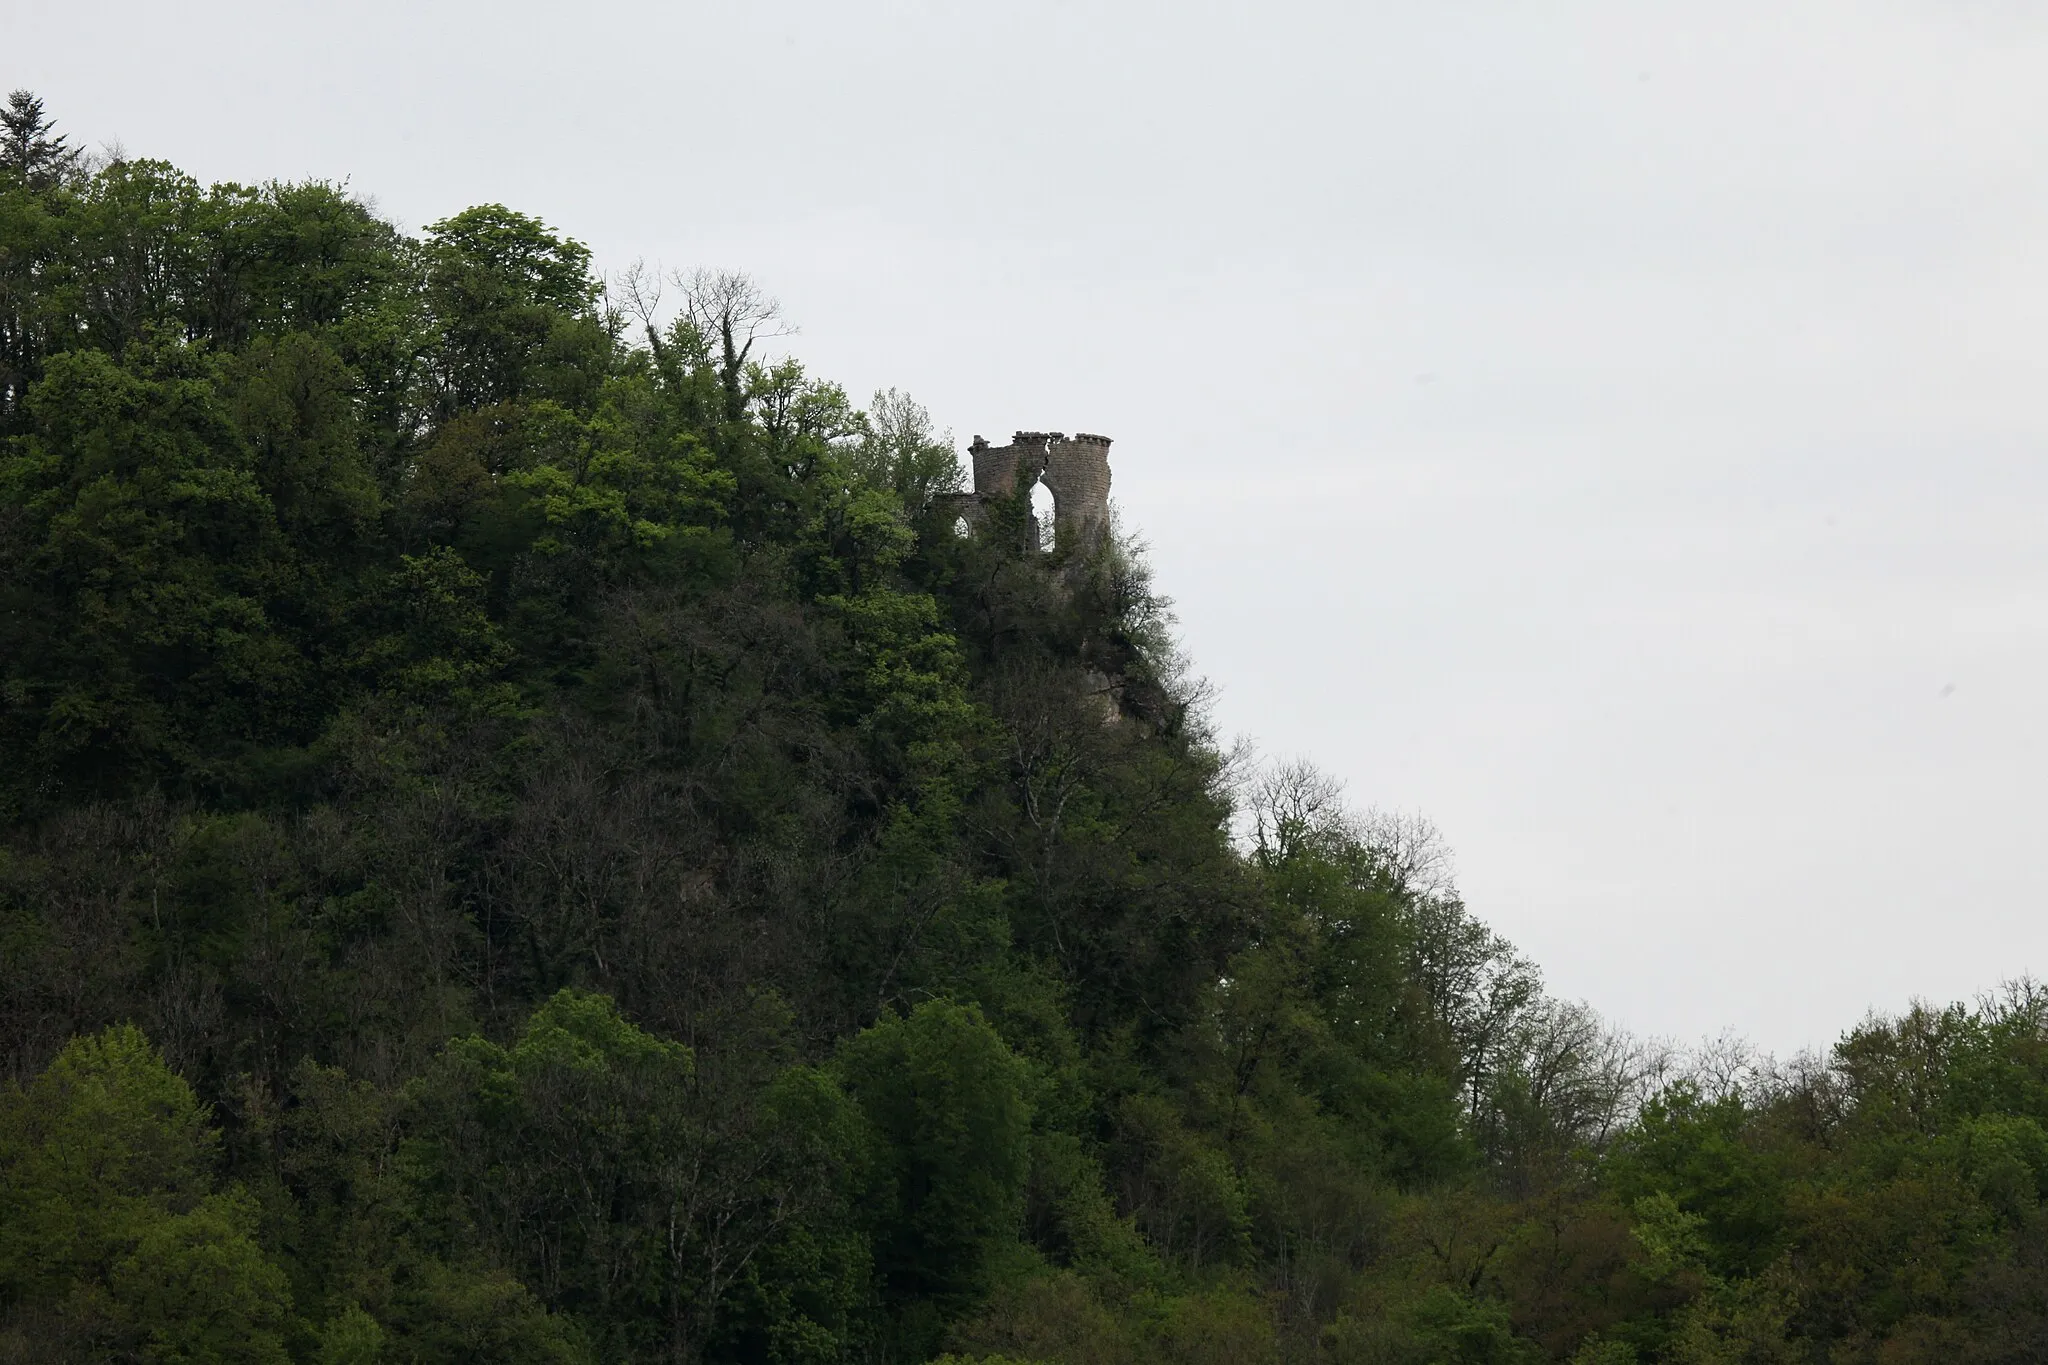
(525, 835)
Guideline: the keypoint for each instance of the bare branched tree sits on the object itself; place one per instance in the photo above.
(1294, 804)
(2019, 1003)
(1724, 1067)
(636, 293)
(1410, 846)
(1586, 1076)
(731, 313)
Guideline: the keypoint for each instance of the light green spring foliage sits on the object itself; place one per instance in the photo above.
(615, 877)
(113, 1233)
(352, 1337)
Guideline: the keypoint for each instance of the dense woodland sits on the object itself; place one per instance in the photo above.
(525, 835)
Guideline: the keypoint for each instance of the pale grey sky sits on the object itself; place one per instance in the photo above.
(1618, 431)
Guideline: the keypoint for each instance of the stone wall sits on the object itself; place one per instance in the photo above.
(1075, 470)
(996, 467)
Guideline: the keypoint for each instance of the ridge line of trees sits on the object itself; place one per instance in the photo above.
(525, 836)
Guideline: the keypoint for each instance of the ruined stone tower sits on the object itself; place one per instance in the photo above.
(1074, 470)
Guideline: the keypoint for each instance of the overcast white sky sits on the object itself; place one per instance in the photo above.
(1618, 431)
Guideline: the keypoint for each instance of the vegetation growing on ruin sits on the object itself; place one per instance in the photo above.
(526, 836)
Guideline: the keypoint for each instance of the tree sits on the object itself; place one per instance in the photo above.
(143, 575)
(28, 148)
(515, 307)
(555, 1153)
(728, 310)
(900, 450)
(111, 1228)
(951, 1105)
(591, 1158)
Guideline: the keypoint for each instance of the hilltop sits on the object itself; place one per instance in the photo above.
(534, 829)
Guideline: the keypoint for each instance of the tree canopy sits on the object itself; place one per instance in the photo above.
(527, 835)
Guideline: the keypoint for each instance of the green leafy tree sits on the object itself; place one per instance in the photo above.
(513, 304)
(589, 1156)
(140, 575)
(952, 1107)
(112, 1233)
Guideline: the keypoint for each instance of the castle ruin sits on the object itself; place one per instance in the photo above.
(1075, 470)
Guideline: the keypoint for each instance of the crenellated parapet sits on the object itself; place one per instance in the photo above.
(996, 467)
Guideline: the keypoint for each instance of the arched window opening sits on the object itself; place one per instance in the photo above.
(961, 528)
(1042, 509)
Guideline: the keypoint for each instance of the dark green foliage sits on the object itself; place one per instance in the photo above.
(951, 1109)
(513, 308)
(149, 559)
(614, 877)
(30, 147)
